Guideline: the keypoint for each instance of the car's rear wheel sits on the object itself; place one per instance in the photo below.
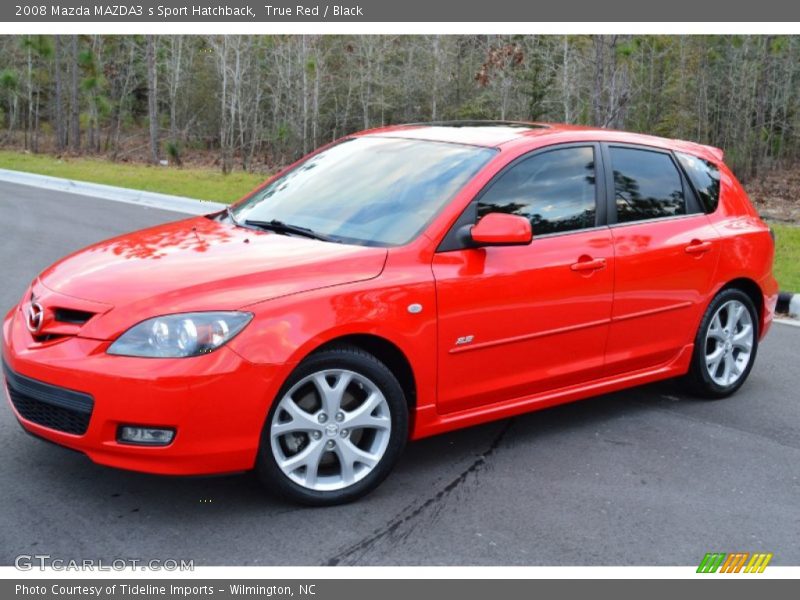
(725, 347)
(336, 428)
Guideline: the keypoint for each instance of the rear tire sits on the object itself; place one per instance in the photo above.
(335, 430)
(725, 346)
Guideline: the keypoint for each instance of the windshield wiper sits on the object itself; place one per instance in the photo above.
(281, 227)
(231, 216)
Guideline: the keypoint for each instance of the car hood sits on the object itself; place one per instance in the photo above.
(199, 264)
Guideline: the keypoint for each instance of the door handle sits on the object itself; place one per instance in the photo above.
(589, 264)
(698, 247)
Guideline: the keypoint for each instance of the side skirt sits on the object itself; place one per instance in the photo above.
(428, 422)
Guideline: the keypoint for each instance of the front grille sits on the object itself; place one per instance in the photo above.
(48, 405)
(72, 316)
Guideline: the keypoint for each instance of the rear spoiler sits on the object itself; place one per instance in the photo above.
(717, 153)
(701, 149)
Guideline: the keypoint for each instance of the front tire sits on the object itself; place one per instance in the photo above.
(725, 346)
(336, 429)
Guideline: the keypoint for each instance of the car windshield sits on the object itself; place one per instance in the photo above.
(370, 190)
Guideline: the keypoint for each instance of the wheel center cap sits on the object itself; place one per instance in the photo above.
(332, 429)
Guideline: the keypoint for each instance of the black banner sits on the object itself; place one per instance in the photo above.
(392, 11)
(397, 589)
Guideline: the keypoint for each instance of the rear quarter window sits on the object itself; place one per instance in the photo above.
(704, 176)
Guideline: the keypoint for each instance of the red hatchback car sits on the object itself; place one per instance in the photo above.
(393, 285)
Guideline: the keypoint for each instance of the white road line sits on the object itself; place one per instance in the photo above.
(791, 322)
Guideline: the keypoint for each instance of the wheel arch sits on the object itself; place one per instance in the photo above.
(274, 474)
(385, 351)
(753, 291)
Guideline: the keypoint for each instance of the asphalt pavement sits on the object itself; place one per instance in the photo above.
(641, 477)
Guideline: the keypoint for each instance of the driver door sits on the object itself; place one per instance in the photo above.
(518, 321)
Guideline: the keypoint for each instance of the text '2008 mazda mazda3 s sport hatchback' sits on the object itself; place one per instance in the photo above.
(393, 285)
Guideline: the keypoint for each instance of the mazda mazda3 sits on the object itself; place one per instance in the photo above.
(395, 284)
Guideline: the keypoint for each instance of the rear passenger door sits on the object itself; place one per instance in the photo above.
(666, 252)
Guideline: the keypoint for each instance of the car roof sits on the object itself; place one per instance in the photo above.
(476, 133)
(492, 134)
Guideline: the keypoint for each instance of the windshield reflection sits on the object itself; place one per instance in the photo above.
(370, 190)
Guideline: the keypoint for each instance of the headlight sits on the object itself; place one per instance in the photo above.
(181, 335)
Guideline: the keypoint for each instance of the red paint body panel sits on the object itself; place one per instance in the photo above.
(660, 289)
(217, 428)
(497, 229)
(199, 263)
(536, 324)
(502, 330)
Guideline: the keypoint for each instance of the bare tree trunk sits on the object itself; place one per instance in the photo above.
(366, 49)
(74, 99)
(598, 116)
(58, 112)
(761, 100)
(315, 101)
(174, 85)
(435, 78)
(236, 95)
(304, 59)
(152, 97)
(256, 127)
(29, 124)
(223, 121)
(243, 108)
(221, 47)
(35, 135)
(125, 89)
(565, 91)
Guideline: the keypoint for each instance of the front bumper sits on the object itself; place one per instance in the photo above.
(769, 287)
(216, 403)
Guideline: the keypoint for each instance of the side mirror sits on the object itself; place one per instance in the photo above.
(501, 229)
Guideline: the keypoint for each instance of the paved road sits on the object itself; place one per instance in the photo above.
(644, 476)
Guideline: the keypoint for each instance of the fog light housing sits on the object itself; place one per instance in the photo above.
(145, 436)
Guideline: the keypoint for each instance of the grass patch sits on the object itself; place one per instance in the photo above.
(203, 184)
(787, 257)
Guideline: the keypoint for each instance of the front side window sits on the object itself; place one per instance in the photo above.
(554, 189)
(371, 190)
(647, 185)
(705, 178)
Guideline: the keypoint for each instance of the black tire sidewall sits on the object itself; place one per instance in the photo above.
(699, 379)
(356, 360)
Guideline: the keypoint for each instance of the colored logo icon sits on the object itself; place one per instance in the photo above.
(736, 562)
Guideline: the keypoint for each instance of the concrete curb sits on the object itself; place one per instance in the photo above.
(789, 303)
(790, 322)
(110, 192)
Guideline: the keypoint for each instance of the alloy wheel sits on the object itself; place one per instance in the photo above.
(330, 430)
(729, 343)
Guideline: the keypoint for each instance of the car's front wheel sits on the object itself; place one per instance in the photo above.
(725, 346)
(336, 429)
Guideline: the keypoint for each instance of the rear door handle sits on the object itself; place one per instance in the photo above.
(698, 247)
(589, 264)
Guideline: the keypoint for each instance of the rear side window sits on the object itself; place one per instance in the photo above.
(554, 189)
(647, 185)
(704, 176)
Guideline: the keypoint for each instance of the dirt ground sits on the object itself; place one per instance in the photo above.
(776, 195)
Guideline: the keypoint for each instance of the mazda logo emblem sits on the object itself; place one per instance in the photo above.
(35, 317)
